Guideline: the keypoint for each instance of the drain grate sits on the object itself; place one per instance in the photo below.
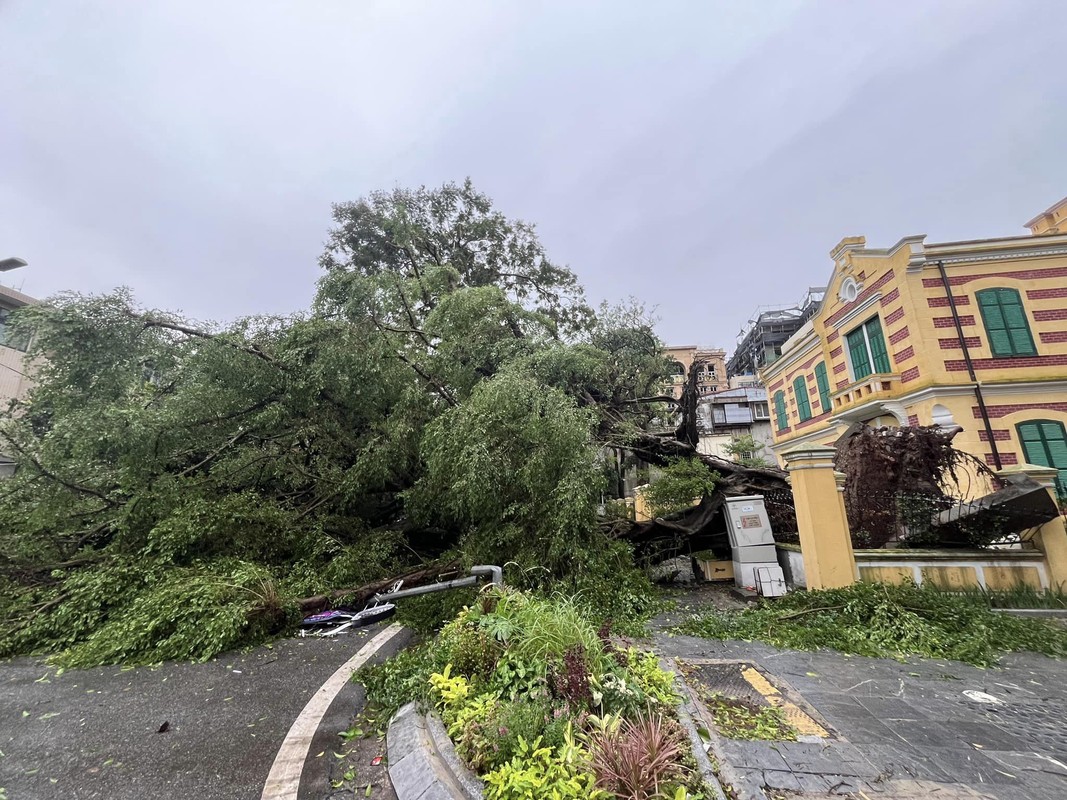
(728, 679)
(1043, 725)
(743, 681)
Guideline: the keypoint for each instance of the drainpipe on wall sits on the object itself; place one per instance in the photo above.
(970, 365)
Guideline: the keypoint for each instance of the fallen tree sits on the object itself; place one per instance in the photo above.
(184, 488)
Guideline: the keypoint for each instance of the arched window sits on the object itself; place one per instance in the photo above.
(780, 412)
(1045, 444)
(1005, 323)
(800, 390)
(677, 368)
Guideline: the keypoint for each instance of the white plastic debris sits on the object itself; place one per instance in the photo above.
(982, 697)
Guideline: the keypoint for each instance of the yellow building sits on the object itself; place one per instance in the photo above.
(970, 333)
(712, 374)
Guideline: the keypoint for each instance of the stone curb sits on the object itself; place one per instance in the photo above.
(423, 764)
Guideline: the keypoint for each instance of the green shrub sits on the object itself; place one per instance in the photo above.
(538, 772)
(683, 482)
(403, 678)
(884, 621)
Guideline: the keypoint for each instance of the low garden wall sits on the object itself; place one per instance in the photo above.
(948, 569)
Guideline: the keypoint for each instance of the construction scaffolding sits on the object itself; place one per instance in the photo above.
(760, 343)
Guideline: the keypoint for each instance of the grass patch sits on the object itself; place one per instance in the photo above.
(884, 621)
(1021, 597)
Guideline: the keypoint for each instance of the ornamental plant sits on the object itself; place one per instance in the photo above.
(547, 706)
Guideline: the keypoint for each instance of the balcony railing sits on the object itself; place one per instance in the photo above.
(872, 387)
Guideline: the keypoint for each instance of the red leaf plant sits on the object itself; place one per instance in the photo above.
(637, 758)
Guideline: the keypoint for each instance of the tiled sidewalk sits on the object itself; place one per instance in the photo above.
(904, 729)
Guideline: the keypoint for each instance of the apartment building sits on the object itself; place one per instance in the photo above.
(711, 376)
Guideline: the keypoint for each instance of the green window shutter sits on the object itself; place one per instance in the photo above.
(779, 410)
(824, 386)
(1045, 444)
(1005, 322)
(857, 349)
(800, 389)
(877, 342)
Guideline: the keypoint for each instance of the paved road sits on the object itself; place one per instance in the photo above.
(93, 733)
(912, 721)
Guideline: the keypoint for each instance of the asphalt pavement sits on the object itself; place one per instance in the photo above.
(208, 731)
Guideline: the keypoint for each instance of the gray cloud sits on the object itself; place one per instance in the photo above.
(702, 157)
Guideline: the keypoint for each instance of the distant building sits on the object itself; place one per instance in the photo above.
(730, 414)
(13, 381)
(761, 342)
(969, 333)
(711, 376)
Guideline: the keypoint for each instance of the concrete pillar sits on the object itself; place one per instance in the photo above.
(1050, 538)
(839, 479)
(825, 542)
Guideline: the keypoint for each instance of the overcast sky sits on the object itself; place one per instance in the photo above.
(703, 157)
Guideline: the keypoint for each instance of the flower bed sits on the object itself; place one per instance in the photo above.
(540, 704)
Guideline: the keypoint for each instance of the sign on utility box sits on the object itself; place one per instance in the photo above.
(751, 539)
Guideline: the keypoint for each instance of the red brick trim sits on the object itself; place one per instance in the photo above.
(942, 302)
(809, 422)
(842, 384)
(996, 412)
(832, 336)
(894, 317)
(1009, 363)
(899, 336)
(1006, 459)
(905, 354)
(864, 295)
(889, 298)
(954, 344)
(998, 436)
(1050, 314)
(948, 322)
(908, 375)
(1054, 337)
(839, 368)
(913, 420)
(1021, 275)
(836, 352)
(1045, 294)
(774, 387)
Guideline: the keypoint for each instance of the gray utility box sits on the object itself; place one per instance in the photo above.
(764, 553)
(747, 522)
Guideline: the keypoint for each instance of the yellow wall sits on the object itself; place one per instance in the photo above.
(902, 287)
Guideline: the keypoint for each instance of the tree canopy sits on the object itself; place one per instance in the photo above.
(448, 394)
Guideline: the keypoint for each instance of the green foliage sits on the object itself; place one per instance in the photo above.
(403, 678)
(515, 467)
(747, 451)
(682, 483)
(521, 710)
(737, 719)
(449, 391)
(538, 772)
(885, 621)
(655, 682)
(428, 613)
